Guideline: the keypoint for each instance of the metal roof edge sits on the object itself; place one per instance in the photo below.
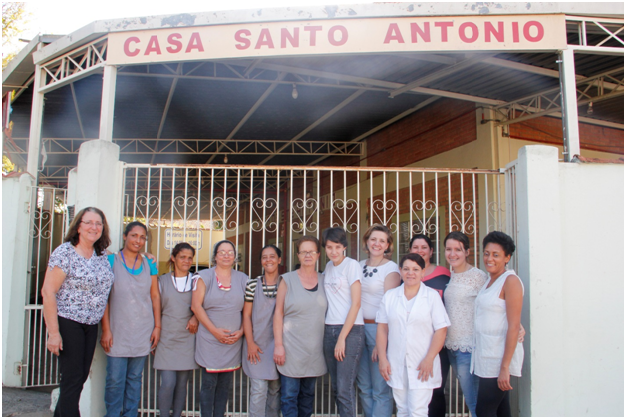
(353, 11)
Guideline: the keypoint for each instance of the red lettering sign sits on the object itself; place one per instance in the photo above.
(127, 50)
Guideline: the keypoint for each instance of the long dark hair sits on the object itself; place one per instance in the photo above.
(73, 237)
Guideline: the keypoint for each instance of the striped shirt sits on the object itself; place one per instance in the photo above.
(270, 291)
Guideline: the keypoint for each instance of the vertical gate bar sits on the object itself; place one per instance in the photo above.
(185, 200)
(159, 223)
(423, 180)
(211, 202)
(200, 232)
(277, 217)
(290, 214)
(50, 247)
(357, 214)
(344, 206)
(331, 202)
(385, 220)
(237, 208)
(136, 185)
(474, 214)
(251, 201)
(411, 214)
(318, 203)
(224, 215)
(487, 206)
(370, 199)
(42, 338)
(149, 186)
(498, 188)
(398, 209)
(173, 174)
(264, 219)
(305, 201)
(463, 202)
(437, 207)
(37, 263)
(450, 204)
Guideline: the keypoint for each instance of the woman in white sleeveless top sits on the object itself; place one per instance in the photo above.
(498, 354)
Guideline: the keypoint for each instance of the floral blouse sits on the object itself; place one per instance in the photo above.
(84, 293)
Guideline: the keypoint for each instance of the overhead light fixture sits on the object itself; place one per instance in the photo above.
(295, 93)
(590, 108)
(225, 159)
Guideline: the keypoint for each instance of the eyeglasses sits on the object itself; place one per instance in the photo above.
(226, 253)
(308, 253)
(90, 223)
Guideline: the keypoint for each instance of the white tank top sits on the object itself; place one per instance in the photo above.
(491, 332)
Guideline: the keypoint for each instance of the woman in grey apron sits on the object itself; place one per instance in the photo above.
(298, 329)
(218, 299)
(258, 326)
(175, 355)
(131, 323)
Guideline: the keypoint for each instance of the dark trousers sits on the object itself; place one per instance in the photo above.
(214, 393)
(437, 406)
(75, 362)
(491, 401)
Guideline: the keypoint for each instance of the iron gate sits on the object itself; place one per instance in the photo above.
(253, 206)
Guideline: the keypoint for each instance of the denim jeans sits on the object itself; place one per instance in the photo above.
(264, 397)
(460, 361)
(214, 393)
(297, 396)
(375, 393)
(343, 373)
(123, 386)
(491, 401)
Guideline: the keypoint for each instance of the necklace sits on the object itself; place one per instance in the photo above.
(175, 283)
(367, 273)
(265, 288)
(126, 265)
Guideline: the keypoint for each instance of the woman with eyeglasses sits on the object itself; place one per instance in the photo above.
(75, 292)
(298, 326)
(175, 355)
(131, 324)
(218, 301)
(380, 275)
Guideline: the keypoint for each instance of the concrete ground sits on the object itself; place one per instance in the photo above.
(26, 402)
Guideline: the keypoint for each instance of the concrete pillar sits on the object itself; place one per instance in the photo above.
(16, 192)
(107, 111)
(539, 266)
(571, 135)
(36, 120)
(97, 182)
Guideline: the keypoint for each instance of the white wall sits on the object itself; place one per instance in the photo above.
(569, 234)
(15, 235)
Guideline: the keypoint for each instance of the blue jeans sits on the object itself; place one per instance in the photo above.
(375, 393)
(214, 393)
(123, 386)
(297, 396)
(460, 361)
(343, 373)
(264, 397)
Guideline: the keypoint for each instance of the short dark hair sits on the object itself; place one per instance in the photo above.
(502, 239)
(73, 237)
(460, 237)
(414, 257)
(308, 238)
(179, 248)
(379, 228)
(336, 235)
(421, 236)
(277, 250)
(216, 249)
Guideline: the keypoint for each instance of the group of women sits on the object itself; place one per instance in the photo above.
(370, 324)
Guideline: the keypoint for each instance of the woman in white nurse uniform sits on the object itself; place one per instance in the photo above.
(412, 323)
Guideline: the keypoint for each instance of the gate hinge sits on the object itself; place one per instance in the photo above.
(17, 368)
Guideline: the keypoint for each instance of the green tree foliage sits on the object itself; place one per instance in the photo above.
(13, 19)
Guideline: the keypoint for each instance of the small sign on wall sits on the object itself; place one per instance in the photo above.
(193, 237)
